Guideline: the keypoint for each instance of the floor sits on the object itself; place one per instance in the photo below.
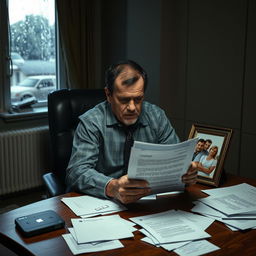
(10, 202)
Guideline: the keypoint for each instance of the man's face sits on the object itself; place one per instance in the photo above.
(207, 144)
(199, 146)
(126, 100)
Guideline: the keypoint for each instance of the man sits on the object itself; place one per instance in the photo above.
(198, 150)
(207, 145)
(97, 164)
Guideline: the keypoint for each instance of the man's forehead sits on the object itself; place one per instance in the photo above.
(127, 73)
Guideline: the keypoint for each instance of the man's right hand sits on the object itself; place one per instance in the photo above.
(127, 190)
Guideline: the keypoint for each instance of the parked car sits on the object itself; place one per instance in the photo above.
(33, 86)
(17, 59)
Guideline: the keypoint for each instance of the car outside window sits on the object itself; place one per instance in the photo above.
(32, 50)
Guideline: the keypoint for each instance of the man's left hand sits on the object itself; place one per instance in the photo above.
(190, 177)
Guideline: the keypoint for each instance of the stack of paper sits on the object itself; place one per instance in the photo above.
(176, 229)
(235, 206)
(87, 206)
(98, 234)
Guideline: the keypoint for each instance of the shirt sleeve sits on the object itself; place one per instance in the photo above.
(166, 132)
(81, 174)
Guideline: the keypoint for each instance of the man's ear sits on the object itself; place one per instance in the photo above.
(108, 94)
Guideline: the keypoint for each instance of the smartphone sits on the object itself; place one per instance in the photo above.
(38, 223)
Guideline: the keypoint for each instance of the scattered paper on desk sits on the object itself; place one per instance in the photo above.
(168, 246)
(98, 234)
(239, 202)
(170, 226)
(227, 190)
(101, 229)
(207, 210)
(234, 206)
(201, 221)
(91, 206)
(85, 248)
(196, 248)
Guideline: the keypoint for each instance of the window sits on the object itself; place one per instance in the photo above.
(30, 43)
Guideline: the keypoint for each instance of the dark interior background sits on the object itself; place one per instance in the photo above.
(201, 59)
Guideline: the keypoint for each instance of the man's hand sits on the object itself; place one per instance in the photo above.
(190, 177)
(127, 190)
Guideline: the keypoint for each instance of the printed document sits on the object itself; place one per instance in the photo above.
(230, 189)
(161, 165)
(232, 203)
(171, 226)
(196, 248)
(85, 248)
(102, 229)
(89, 205)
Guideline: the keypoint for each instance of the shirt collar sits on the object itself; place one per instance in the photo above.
(112, 121)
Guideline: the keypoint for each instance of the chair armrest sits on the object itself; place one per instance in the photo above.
(53, 185)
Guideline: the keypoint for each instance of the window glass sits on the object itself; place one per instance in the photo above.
(32, 50)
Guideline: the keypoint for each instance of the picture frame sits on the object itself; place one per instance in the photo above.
(211, 158)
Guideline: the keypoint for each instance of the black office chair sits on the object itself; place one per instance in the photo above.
(64, 107)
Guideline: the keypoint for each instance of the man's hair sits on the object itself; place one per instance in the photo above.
(201, 140)
(208, 140)
(114, 70)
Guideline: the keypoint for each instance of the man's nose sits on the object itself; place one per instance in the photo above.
(131, 105)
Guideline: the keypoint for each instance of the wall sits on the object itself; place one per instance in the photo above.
(207, 64)
(131, 30)
(143, 40)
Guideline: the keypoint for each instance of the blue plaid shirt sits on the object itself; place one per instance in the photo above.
(98, 145)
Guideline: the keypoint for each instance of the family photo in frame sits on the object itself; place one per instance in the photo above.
(210, 151)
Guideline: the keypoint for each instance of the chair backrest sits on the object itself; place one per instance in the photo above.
(64, 108)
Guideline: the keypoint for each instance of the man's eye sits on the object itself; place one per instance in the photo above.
(124, 101)
(138, 100)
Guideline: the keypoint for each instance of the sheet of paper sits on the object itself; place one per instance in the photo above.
(148, 240)
(149, 197)
(168, 247)
(207, 210)
(196, 248)
(170, 226)
(151, 240)
(173, 246)
(242, 223)
(201, 221)
(229, 189)
(239, 224)
(241, 202)
(83, 205)
(101, 229)
(85, 248)
(161, 165)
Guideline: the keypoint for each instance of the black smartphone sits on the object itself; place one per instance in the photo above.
(38, 223)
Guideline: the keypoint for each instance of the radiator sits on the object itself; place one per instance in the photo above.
(24, 158)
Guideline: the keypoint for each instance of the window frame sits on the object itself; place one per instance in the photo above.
(36, 112)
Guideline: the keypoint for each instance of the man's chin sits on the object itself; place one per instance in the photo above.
(129, 121)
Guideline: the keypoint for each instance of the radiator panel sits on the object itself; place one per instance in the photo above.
(24, 157)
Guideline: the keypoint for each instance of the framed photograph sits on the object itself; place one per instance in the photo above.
(210, 151)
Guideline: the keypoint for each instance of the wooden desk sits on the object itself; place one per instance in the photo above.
(52, 243)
